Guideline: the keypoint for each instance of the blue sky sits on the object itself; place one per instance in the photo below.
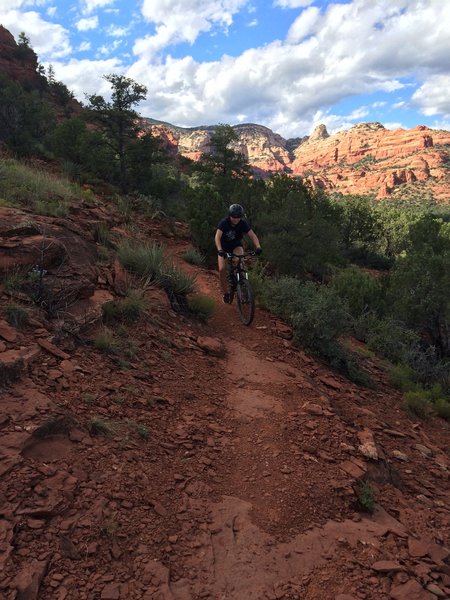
(287, 64)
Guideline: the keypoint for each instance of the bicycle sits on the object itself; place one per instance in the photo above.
(239, 284)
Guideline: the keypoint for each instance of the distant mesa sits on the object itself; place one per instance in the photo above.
(366, 159)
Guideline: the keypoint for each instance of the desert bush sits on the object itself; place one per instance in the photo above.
(319, 318)
(202, 307)
(102, 234)
(366, 497)
(16, 315)
(36, 188)
(146, 260)
(105, 342)
(403, 377)
(128, 309)
(417, 403)
(99, 426)
(391, 339)
(194, 257)
(361, 291)
(176, 280)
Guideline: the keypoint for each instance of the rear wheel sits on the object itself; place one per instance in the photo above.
(245, 301)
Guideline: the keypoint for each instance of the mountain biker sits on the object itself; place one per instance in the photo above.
(228, 238)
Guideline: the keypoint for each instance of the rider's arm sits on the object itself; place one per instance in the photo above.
(218, 239)
(252, 235)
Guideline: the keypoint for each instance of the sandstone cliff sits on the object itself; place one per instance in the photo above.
(16, 62)
(367, 159)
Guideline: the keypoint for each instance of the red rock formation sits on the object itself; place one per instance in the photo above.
(16, 62)
(367, 159)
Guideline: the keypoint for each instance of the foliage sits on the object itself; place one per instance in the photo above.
(366, 496)
(25, 118)
(118, 118)
(194, 257)
(36, 188)
(202, 307)
(361, 291)
(99, 426)
(319, 318)
(146, 260)
(128, 309)
(205, 208)
(419, 294)
(391, 339)
(222, 157)
(16, 315)
(300, 228)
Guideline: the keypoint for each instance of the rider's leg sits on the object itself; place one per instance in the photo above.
(222, 266)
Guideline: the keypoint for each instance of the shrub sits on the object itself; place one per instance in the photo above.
(402, 377)
(128, 309)
(361, 291)
(177, 281)
(105, 342)
(442, 408)
(16, 315)
(102, 234)
(194, 257)
(391, 340)
(98, 426)
(146, 260)
(418, 403)
(257, 276)
(36, 188)
(366, 497)
(202, 307)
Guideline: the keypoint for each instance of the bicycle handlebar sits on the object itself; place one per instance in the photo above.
(248, 253)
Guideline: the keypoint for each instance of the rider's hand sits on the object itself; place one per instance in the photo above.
(222, 253)
(258, 251)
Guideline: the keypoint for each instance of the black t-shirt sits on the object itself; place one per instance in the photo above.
(232, 234)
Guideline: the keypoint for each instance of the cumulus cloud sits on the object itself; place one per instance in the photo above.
(87, 24)
(293, 3)
(89, 6)
(85, 77)
(432, 97)
(47, 39)
(179, 21)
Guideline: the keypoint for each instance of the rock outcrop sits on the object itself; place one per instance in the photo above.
(366, 159)
(19, 63)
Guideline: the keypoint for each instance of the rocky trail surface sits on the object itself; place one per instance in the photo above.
(216, 462)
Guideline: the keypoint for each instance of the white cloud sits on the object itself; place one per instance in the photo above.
(84, 46)
(433, 96)
(51, 11)
(183, 20)
(116, 31)
(47, 39)
(87, 24)
(89, 6)
(304, 25)
(292, 3)
(86, 76)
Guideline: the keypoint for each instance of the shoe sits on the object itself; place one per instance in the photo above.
(226, 298)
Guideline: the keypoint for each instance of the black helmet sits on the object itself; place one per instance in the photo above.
(236, 211)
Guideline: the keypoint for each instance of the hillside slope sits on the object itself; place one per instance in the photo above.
(199, 460)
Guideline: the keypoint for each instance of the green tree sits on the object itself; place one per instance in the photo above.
(223, 158)
(300, 228)
(25, 119)
(117, 118)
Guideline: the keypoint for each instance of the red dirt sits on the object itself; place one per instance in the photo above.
(227, 477)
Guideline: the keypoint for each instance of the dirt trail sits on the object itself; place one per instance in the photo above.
(231, 471)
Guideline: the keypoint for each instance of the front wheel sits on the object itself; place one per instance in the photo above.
(245, 301)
